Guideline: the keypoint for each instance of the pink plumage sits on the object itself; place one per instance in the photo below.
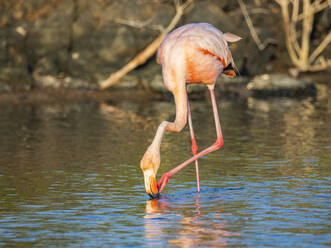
(193, 53)
(199, 50)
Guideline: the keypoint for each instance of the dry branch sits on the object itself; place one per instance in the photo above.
(138, 24)
(298, 41)
(44, 10)
(251, 28)
(147, 52)
(18, 10)
(320, 48)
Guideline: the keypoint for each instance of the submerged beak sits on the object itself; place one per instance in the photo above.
(151, 186)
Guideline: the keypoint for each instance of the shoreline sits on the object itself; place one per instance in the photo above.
(238, 87)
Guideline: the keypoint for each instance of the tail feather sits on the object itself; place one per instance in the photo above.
(231, 37)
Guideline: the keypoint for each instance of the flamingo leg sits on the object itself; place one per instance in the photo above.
(217, 145)
(194, 146)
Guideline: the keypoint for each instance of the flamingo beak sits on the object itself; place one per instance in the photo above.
(151, 186)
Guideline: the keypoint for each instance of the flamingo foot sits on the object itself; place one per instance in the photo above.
(163, 181)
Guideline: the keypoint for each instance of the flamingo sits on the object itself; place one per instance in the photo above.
(193, 53)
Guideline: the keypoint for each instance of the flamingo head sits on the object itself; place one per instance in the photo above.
(150, 164)
(151, 185)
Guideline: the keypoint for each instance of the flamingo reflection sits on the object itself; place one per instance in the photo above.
(190, 227)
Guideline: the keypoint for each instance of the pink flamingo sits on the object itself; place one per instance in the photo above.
(193, 53)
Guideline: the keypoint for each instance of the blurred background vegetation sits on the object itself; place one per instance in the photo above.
(77, 43)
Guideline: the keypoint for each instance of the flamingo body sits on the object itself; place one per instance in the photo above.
(199, 51)
(193, 53)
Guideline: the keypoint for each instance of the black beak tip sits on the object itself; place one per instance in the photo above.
(154, 196)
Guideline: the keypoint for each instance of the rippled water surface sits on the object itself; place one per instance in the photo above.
(70, 176)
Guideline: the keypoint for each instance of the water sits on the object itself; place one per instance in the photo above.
(70, 176)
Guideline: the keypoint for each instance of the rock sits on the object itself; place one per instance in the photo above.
(56, 82)
(103, 44)
(157, 84)
(4, 87)
(280, 85)
(87, 40)
(72, 43)
(233, 86)
(237, 81)
(14, 79)
(47, 81)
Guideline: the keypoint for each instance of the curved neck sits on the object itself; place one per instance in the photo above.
(159, 134)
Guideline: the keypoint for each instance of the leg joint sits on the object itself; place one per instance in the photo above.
(219, 143)
(194, 146)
